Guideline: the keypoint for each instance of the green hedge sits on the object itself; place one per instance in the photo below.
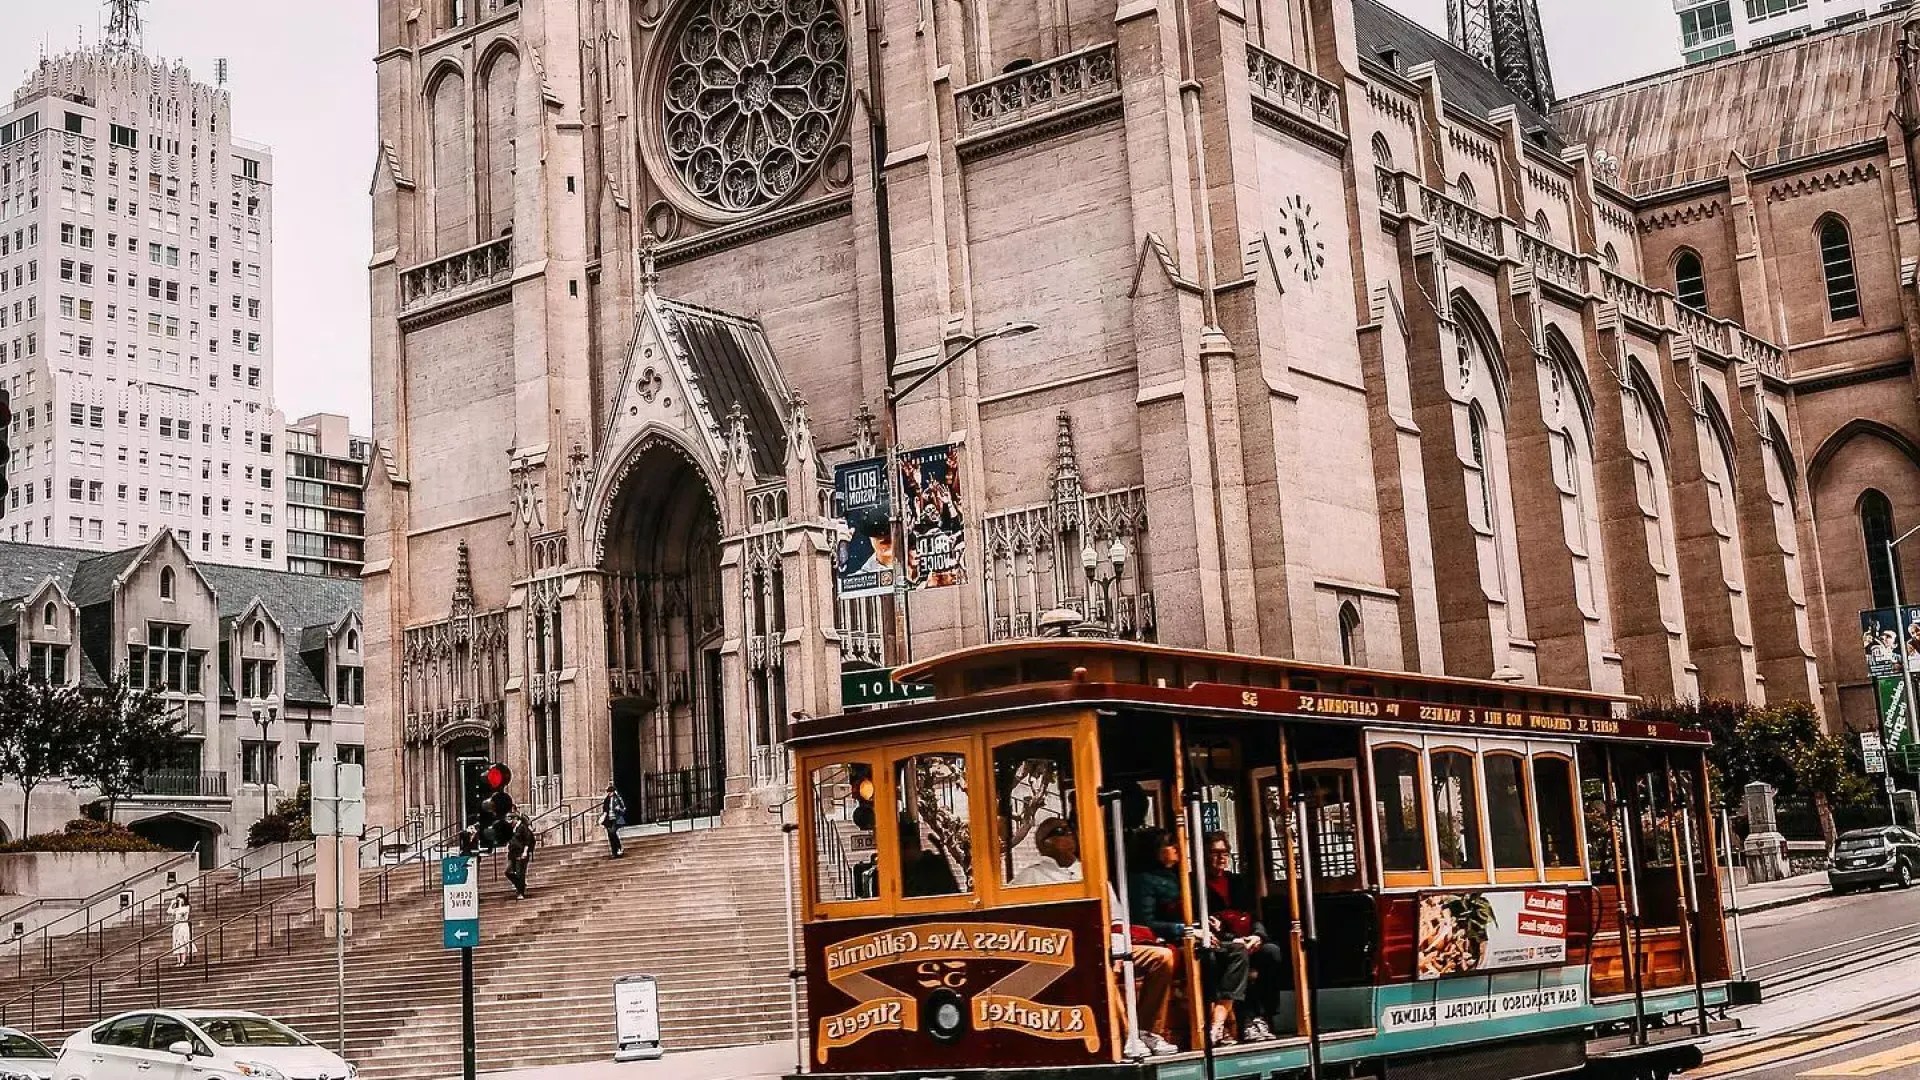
(85, 834)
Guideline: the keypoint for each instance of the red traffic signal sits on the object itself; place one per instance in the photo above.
(498, 777)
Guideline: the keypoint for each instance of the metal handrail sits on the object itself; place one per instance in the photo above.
(137, 947)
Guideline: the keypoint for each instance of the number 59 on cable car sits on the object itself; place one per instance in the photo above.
(1099, 859)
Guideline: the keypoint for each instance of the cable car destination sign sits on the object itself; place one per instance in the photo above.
(1432, 714)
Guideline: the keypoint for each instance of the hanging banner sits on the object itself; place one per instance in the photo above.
(1896, 718)
(935, 517)
(1884, 641)
(864, 563)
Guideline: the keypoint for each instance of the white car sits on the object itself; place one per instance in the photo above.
(23, 1057)
(196, 1044)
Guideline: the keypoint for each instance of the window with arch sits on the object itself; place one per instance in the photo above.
(259, 632)
(1876, 529)
(1464, 190)
(1382, 151)
(166, 583)
(1477, 440)
(48, 617)
(1836, 262)
(1353, 649)
(1689, 280)
(1568, 412)
(353, 641)
(1481, 446)
(1611, 255)
(1542, 228)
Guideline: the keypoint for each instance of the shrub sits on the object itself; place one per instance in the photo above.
(292, 819)
(82, 834)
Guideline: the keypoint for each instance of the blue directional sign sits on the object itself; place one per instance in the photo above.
(460, 902)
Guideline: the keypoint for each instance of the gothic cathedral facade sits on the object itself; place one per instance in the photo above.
(1342, 348)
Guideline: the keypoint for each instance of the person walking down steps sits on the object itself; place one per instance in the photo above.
(182, 917)
(520, 854)
(613, 815)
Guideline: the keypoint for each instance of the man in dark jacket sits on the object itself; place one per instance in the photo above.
(520, 854)
(613, 815)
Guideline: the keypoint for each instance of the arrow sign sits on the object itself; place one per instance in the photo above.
(459, 903)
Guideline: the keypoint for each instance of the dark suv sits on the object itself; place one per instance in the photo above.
(1874, 857)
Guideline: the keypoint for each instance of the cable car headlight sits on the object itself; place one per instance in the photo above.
(946, 1015)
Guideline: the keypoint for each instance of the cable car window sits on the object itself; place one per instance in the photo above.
(1553, 800)
(1652, 813)
(1507, 819)
(936, 851)
(1396, 785)
(845, 859)
(1456, 811)
(1033, 788)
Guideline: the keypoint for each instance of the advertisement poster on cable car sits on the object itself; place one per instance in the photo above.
(935, 517)
(864, 562)
(1470, 932)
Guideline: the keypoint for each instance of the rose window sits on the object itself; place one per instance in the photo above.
(753, 95)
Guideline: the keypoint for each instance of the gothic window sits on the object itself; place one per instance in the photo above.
(1611, 257)
(452, 161)
(1542, 228)
(1464, 191)
(753, 96)
(166, 583)
(1689, 281)
(1482, 398)
(1477, 439)
(1836, 261)
(47, 617)
(1353, 650)
(1876, 529)
(259, 633)
(498, 83)
(1382, 151)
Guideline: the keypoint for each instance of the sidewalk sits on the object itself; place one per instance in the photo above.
(767, 1061)
(1777, 894)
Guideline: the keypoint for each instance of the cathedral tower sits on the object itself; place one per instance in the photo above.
(1506, 36)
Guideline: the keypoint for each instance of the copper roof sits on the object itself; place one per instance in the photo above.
(1828, 90)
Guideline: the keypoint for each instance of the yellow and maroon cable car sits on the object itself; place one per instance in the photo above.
(1047, 870)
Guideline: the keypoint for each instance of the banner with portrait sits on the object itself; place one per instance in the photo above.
(935, 517)
(1885, 641)
(864, 562)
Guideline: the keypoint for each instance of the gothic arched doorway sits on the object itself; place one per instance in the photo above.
(664, 632)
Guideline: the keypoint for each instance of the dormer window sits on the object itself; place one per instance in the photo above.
(353, 641)
(47, 617)
(259, 633)
(166, 583)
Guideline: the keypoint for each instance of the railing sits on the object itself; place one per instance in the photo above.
(680, 794)
(1702, 329)
(479, 267)
(1393, 189)
(1765, 357)
(1293, 91)
(184, 783)
(1462, 223)
(1634, 300)
(1551, 264)
(1043, 88)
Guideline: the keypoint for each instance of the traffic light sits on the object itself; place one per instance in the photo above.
(495, 809)
(6, 424)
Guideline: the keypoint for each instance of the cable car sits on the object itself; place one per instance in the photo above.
(1104, 859)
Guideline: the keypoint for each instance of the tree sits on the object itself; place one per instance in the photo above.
(291, 820)
(129, 733)
(43, 733)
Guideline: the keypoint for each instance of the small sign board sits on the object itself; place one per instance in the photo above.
(875, 686)
(460, 902)
(636, 1018)
(1872, 755)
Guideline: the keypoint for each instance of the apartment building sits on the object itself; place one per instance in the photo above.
(326, 497)
(1710, 29)
(136, 284)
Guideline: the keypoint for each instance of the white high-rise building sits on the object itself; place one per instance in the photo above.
(1710, 29)
(136, 313)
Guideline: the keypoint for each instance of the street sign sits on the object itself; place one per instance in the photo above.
(460, 902)
(339, 799)
(1872, 756)
(875, 686)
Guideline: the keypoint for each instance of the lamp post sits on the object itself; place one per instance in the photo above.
(892, 404)
(265, 720)
(1900, 644)
(1090, 562)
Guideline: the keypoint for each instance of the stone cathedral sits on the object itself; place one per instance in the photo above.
(1343, 346)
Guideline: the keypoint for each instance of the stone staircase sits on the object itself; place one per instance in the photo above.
(704, 912)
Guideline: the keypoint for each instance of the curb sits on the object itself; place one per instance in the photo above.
(1785, 901)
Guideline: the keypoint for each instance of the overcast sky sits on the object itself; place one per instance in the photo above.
(302, 82)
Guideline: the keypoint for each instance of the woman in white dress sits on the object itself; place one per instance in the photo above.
(182, 930)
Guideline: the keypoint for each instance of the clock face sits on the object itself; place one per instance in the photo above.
(1300, 241)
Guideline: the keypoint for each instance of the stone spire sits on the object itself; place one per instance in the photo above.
(1507, 38)
(649, 275)
(463, 583)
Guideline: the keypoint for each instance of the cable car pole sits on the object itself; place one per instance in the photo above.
(1311, 945)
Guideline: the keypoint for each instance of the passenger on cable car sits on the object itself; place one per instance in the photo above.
(922, 872)
(1057, 841)
(1231, 901)
(1153, 889)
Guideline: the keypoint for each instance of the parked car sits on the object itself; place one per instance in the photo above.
(23, 1057)
(196, 1044)
(1871, 858)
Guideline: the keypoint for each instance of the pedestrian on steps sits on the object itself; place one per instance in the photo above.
(613, 815)
(182, 917)
(520, 854)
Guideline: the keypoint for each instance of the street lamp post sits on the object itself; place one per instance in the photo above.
(265, 720)
(1900, 646)
(1090, 562)
(892, 404)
